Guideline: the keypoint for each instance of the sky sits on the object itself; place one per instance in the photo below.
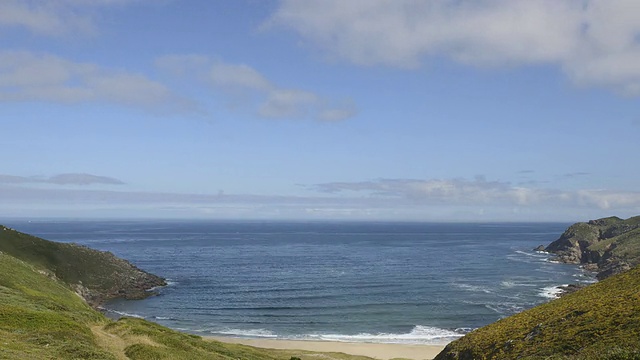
(381, 110)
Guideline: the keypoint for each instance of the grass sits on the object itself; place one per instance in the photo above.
(601, 321)
(100, 275)
(41, 318)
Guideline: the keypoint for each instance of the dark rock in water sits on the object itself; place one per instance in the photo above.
(608, 246)
(568, 289)
(540, 248)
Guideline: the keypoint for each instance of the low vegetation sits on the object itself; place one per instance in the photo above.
(601, 321)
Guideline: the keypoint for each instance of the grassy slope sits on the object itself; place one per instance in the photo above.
(102, 274)
(601, 321)
(42, 318)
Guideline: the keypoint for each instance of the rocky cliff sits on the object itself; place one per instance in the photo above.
(95, 275)
(608, 246)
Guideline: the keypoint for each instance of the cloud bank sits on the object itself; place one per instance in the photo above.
(28, 76)
(61, 179)
(53, 17)
(242, 84)
(384, 199)
(481, 192)
(594, 42)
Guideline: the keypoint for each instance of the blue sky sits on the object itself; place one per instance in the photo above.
(490, 110)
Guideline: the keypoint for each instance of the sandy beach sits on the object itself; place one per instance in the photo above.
(377, 351)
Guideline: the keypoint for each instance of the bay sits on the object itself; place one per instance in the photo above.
(395, 282)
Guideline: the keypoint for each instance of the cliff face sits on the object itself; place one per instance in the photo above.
(609, 245)
(95, 275)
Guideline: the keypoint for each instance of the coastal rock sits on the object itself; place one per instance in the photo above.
(612, 267)
(571, 288)
(608, 246)
(96, 276)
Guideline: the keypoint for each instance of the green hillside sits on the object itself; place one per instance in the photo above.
(601, 321)
(41, 317)
(96, 275)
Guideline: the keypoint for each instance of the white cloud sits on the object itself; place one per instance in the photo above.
(243, 84)
(287, 104)
(26, 76)
(53, 17)
(480, 192)
(595, 42)
(241, 77)
(399, 199)
(61, 179)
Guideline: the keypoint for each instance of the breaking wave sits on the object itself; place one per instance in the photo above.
(418, 335)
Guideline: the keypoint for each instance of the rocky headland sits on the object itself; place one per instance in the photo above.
(97, 276)
(607, 246)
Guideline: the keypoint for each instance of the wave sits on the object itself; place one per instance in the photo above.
(552, 292)
(122, 313)
(529, 257)
(505, 308)
(585, 278)
(473, 288)
(553, 261)
(535, 254)
(418, 335)
(253, 333)
(511, 284)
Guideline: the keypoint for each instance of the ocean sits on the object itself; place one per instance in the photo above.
(415, 283)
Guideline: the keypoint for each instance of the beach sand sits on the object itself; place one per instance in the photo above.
(377, 351)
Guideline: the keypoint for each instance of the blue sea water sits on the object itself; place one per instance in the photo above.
(373, 282)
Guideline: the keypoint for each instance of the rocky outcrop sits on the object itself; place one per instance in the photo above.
(608, 246)
(96, 276)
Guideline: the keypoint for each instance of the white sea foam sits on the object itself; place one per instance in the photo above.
(418, 335)
(510, 284)
(527, 253)
(553, 261)
(473, 288)
(584, 278)
(551, 292)
(122, 313)
(259, 333)
(504, 308)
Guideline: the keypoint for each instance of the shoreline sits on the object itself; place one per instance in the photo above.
(383, 351)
